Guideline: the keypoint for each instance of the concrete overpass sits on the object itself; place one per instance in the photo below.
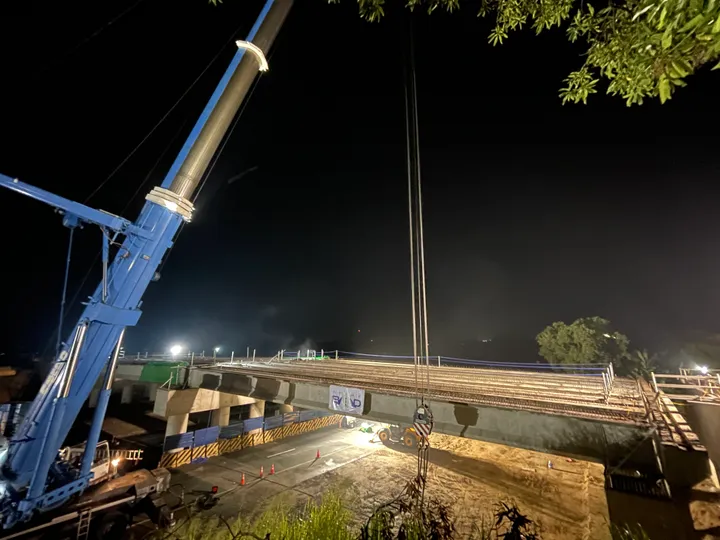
(571, 415)
(617, 422)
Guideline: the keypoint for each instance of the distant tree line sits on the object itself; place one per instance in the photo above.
(592, 340)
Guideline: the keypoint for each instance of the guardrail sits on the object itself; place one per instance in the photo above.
(285, 355)
(604, 371)
(705, 386)
(450, 360)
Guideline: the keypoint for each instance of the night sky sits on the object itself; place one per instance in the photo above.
(534, 211)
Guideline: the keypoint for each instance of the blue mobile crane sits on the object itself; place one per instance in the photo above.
(36, 481)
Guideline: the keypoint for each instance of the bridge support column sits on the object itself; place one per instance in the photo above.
(286, 409)
(257, 410)
(176, 424)
(152, 391)
(220, 417)
(127, 394)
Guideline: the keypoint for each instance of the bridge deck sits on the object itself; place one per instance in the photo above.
(554, 393)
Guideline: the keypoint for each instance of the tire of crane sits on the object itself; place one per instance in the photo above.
(384, 435)
(111, 526)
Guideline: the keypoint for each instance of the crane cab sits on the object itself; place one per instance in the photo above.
(102, 462)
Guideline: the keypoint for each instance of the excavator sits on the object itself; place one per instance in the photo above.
(74, 492)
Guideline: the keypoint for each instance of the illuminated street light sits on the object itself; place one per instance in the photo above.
(704, 370)
(215, 351)
(175, 350)
(607, 335)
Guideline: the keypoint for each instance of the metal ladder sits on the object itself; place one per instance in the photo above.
(83, 528)
(128, 455)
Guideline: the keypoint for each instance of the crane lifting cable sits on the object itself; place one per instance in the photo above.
(422, 419)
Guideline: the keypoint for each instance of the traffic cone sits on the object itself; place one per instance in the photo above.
(317, 455)
(261, 471)
(272, 469)
(242, 479)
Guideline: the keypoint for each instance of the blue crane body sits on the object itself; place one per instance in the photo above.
(33, 477)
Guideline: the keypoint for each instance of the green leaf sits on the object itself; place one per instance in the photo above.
(683, 67)
(663, 14)
(716, 26)
(692, 23)
(716, 66)
(642, 11)
(667, 38)
(664, 88)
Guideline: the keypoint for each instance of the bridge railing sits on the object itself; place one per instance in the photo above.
(604, 373)
(685, 386)
(582, 369)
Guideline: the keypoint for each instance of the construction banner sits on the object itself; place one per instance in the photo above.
(348, 400)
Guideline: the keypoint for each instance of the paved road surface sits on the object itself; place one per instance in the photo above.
(295, 462)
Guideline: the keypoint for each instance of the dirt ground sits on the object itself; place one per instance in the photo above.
(471, 477)
(567, 501)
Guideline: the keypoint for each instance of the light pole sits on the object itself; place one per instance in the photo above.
(215, 351)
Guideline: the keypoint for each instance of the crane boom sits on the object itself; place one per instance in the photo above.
(32, 477)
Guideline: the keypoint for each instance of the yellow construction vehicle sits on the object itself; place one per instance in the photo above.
(390, 433)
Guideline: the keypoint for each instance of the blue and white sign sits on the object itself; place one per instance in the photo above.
(348, 400)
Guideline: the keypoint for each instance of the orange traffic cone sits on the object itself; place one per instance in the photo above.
(242, 479)
(272, 469)
(317, 455)
(261, 471)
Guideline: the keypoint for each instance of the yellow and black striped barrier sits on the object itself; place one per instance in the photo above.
(172, 460)
(188, 455)
(246, 440)
(298, 428)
